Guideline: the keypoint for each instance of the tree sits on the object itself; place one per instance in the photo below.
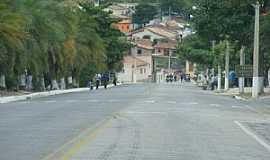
(144, 13)
(194, 49)
(12, 36)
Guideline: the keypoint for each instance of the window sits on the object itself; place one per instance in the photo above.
(141, 71)
(144, 70)
(147, 37)
(139, 51)
(166, 52)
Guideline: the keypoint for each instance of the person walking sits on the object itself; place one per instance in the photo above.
(91, 84)
(97, 81)
(182, 77)
(115, 81)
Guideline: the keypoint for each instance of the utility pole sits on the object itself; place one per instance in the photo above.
(242, 79)
(219, 67)
(256, 78)
(170, 13)
(169, 65)
(227, 65)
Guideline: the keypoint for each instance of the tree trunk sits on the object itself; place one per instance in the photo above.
(22, 80)
(2, 81)
(55, 85)
(70, 82)
(42, 83)
(74, 83)
(63, 83)
(29, 82)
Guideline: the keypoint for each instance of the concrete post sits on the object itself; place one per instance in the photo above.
(242, 79)
(169, 65)
(256, 78)
(135, 70)
(227, 65)
(219, 78)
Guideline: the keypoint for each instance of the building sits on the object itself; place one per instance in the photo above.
(190, 68)
(121, 10)
(166, 48)
(125, 26)
(156, 32)
(134, 70)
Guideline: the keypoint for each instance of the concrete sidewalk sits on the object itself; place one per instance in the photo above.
(234, 92)
(44, 94)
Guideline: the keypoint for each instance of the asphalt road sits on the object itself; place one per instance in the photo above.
(135, 122)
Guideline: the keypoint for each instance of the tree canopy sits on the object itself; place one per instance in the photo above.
(55, 39)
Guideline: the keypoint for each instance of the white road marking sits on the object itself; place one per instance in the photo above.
(252, 109)
(191, 103)
(215, 105)
(49, 101)
(24, 102)
(254, 136)
(93, 100)
(113, 100)
(171, 102)
(136, 112)
(71, 101)
(149, 101)
(237, 107)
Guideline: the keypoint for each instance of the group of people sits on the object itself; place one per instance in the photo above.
(174, 77)
(101, 79)
(210, 82)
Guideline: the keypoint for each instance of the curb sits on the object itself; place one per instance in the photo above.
(9, 99)
(239, 98)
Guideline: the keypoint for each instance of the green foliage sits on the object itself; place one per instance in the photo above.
(196, 50)
(144, 13)
(57, 38)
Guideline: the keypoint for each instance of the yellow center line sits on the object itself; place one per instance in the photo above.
(88, 139)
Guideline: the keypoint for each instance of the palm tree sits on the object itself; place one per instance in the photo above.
(12, 36)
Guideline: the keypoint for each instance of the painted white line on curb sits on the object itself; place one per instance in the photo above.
(254, 136)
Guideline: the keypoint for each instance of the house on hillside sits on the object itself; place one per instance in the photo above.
(125, 26)
(156, 32)
(140, 55)
(166, 48)
(134, 70)
(121, 10)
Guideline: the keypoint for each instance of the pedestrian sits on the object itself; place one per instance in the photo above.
(115, 81)
(182, 77)
(175, 78)
(97, 81)
(91, 84)
(105, 80)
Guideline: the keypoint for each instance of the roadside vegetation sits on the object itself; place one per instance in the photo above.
(218, 22)
(56, 44)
